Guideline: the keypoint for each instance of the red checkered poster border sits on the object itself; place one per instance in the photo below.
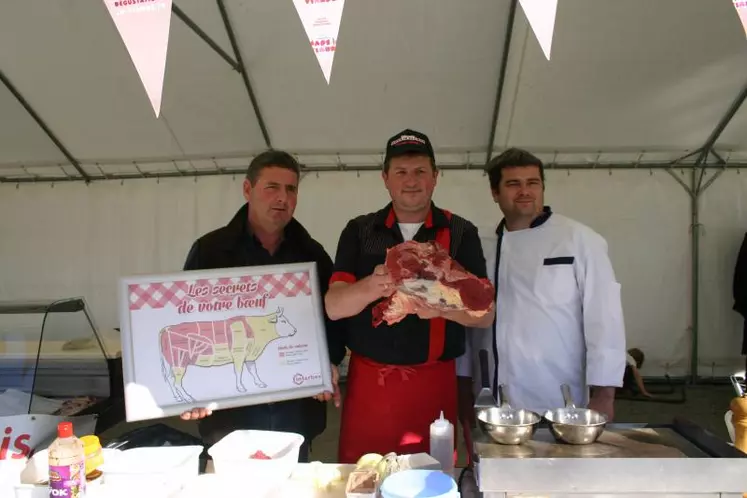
(156, 295)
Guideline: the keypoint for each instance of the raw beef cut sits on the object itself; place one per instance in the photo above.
(425, 274)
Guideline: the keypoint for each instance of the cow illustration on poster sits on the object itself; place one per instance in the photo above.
(239, 340)
(222, 338)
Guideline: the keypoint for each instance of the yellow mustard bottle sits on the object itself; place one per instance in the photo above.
(94, 455)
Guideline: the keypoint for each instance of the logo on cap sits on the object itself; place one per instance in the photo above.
(406, 138)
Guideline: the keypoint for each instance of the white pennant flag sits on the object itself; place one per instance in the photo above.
(741, 6)
(321, 20)
(541, 17)
(144, 27)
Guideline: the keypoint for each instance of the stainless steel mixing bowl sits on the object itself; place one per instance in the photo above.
(506, 425)
(575, 425)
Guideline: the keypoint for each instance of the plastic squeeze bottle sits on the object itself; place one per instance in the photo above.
(94, 459)
(442, 443)
(67, 464)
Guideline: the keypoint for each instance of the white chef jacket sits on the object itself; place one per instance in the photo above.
(559, 316)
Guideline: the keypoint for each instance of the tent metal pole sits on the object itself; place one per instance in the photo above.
(695, 270)
(681, 182)
(717, 156)
(697, 189)
(199, 32)
(688, 155)
(242, 71)
(501, 77)
(710, 182)
(459, 155)
(85, 176)
(720, 127)
(695, 195)
(668, 167)
(696, 232)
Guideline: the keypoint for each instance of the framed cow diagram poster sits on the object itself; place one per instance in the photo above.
(222, 339)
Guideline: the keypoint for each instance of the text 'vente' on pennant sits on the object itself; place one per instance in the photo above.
(541, 17)
(741, 6)
(321, 21)
(144, 28)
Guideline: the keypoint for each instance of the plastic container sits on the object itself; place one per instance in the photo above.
(10, 475)
(419, 484)
(156, 470)
(29, 491)
(232, 455)
(442, 443)
(67, 464)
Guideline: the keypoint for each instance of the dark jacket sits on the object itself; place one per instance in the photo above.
(740, 280)
(235, 246)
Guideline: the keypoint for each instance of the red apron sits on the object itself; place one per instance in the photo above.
(390, 407)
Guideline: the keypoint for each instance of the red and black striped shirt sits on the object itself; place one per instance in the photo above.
(363, 245)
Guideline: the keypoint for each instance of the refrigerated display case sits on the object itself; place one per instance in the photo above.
(55, 361)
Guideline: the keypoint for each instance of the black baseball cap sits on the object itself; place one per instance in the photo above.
(408, 142)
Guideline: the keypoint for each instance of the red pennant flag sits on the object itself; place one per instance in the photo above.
(541, 17)
(321, 21)
(741, 6)
(144, 28)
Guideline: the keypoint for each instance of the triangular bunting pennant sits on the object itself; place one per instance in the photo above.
(541, 17)
(321, 21)
(144, 28)
(741, 6)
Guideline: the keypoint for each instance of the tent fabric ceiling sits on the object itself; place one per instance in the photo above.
(625, 78)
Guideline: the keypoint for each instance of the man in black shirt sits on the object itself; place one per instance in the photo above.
(264, 232)
(401, 376)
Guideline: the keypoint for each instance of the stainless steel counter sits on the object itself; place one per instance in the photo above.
(628, 460)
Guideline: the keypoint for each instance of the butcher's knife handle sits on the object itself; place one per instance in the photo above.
(484, 375)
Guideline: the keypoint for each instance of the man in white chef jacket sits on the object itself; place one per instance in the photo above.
(559, 315)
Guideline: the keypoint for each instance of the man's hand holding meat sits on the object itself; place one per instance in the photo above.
(352, 298)
(459, 316)
(380, 283)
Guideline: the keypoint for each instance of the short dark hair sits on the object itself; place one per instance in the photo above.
(510, 158)
(271, 159)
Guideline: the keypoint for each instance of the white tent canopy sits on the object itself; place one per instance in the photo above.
(625, 79)
(630, 84)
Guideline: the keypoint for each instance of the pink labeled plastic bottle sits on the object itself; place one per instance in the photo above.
(67, 464)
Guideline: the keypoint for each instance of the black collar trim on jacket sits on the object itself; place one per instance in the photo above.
(538, 221)
(239, 226)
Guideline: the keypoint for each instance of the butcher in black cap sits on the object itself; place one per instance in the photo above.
(401, 376)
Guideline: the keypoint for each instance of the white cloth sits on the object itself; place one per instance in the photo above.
(409, 230)
(558, 321)
(630, 360)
